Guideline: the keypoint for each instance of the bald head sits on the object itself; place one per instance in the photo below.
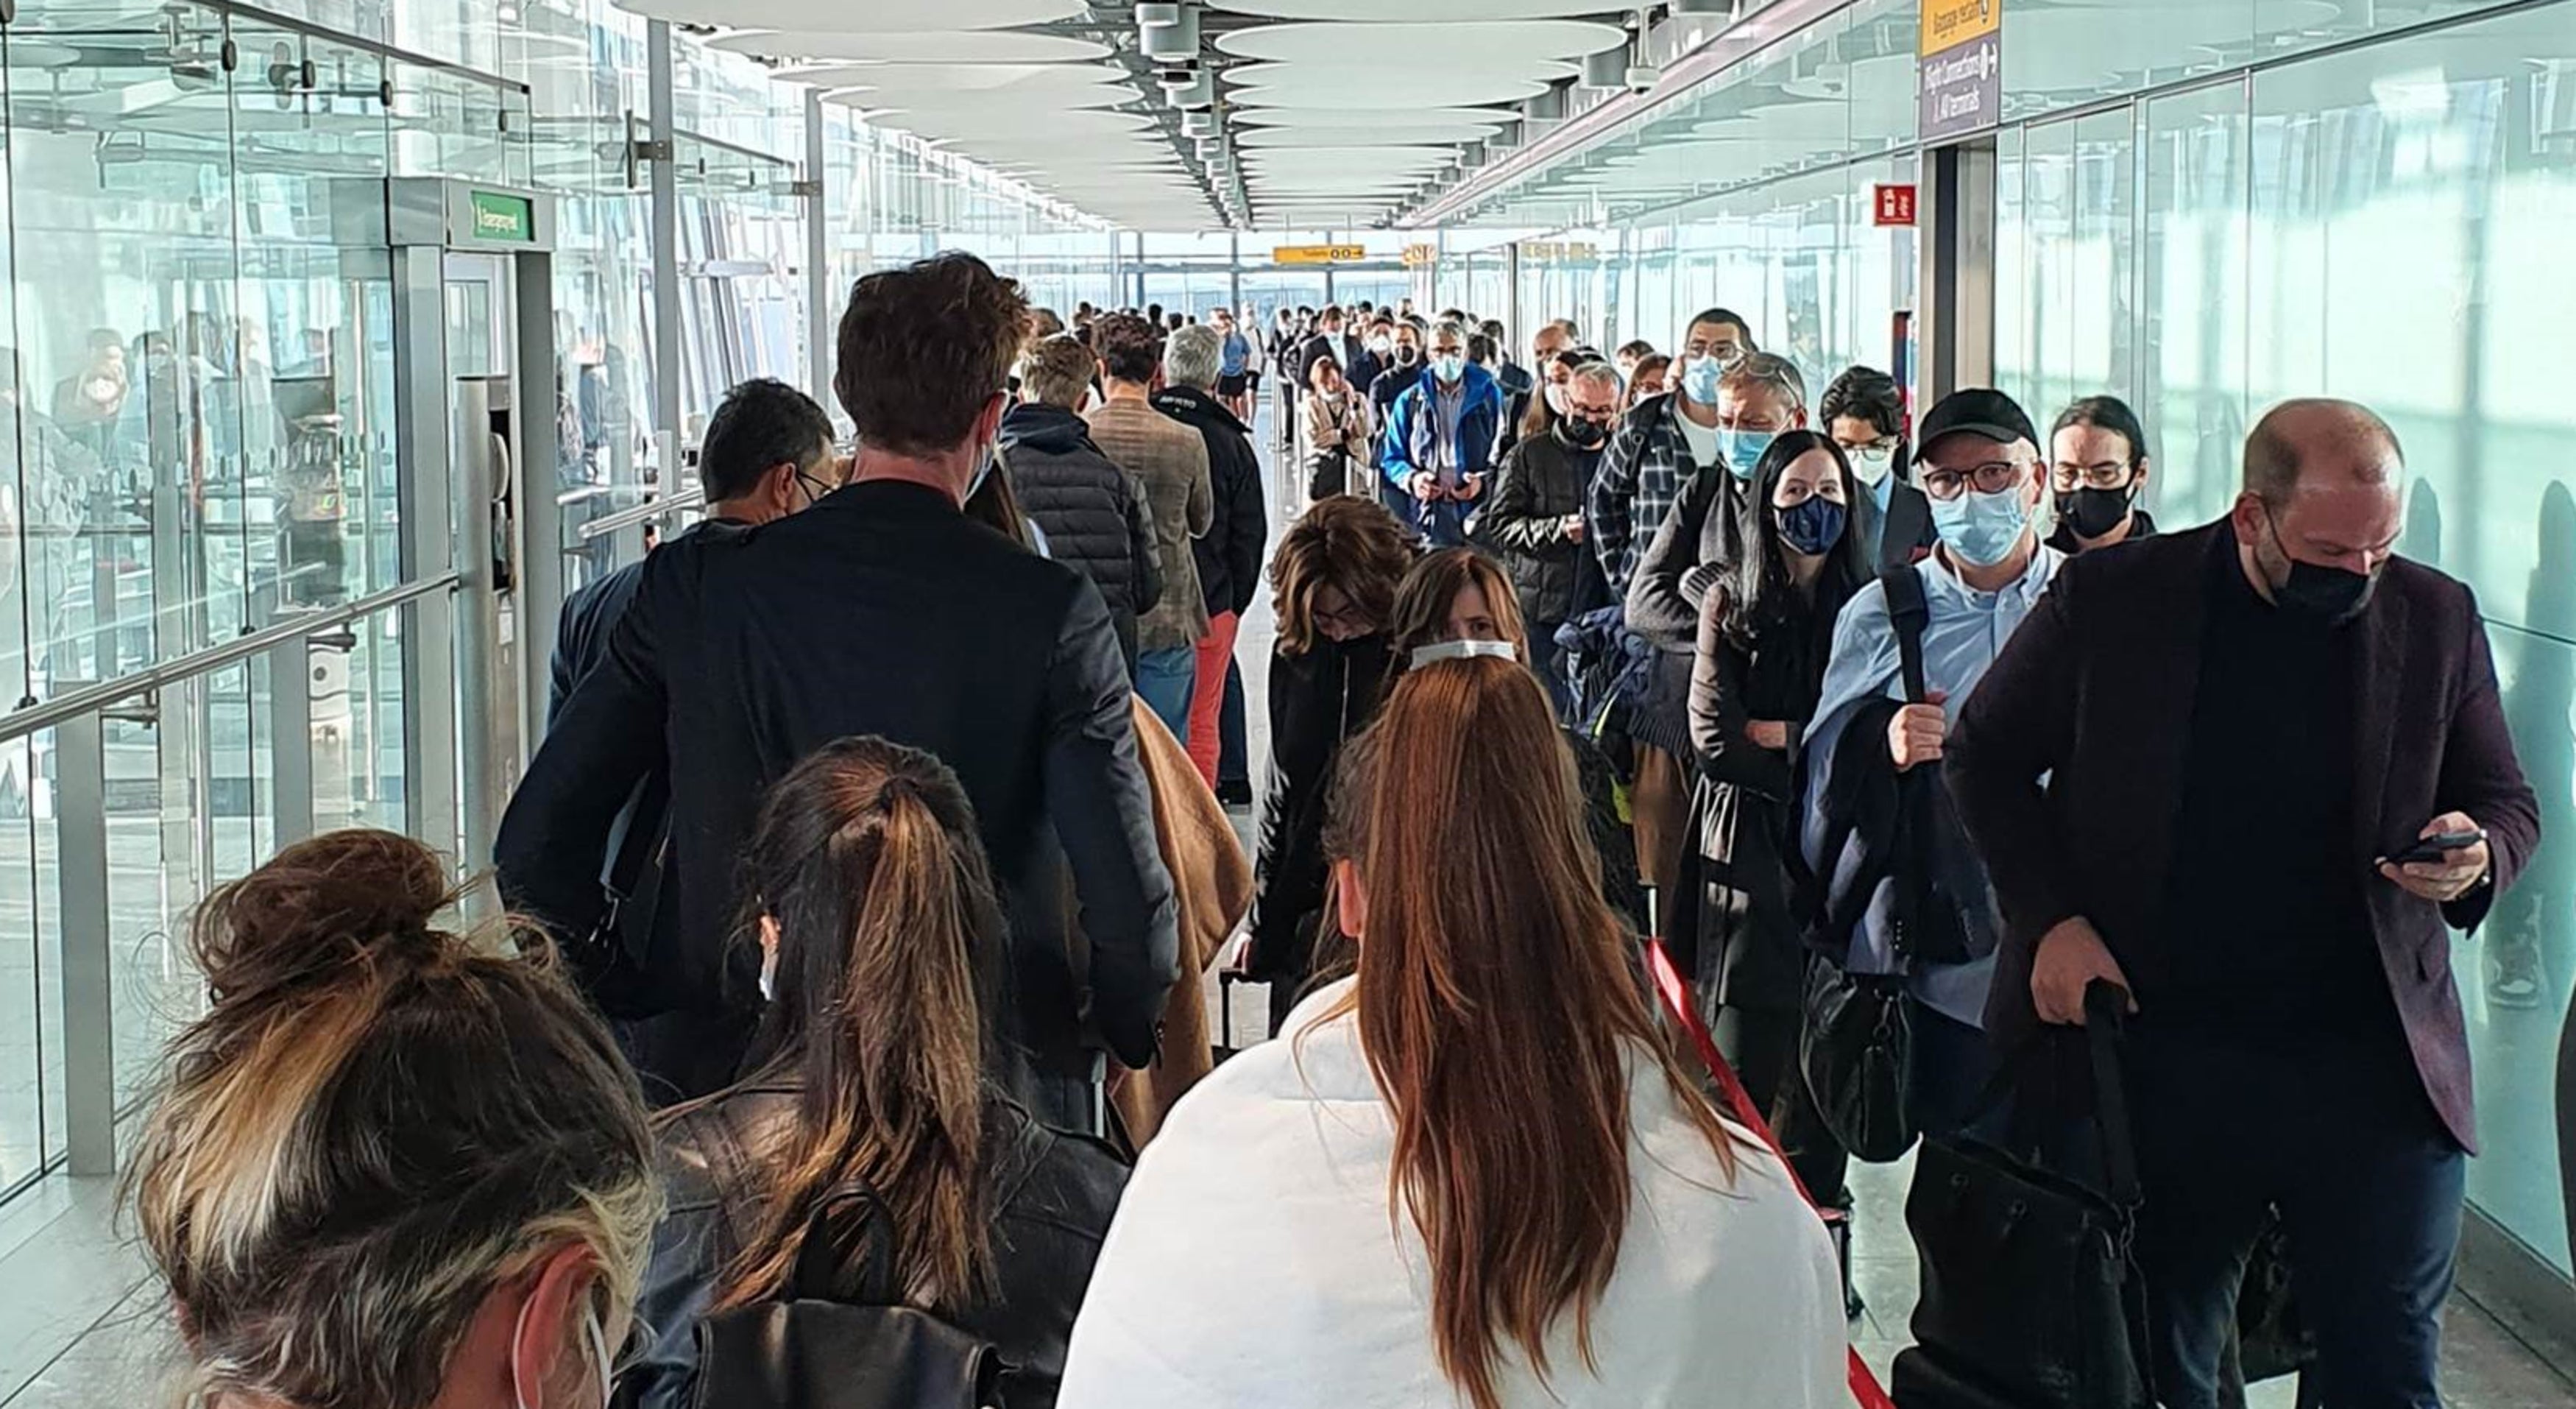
(2319, 442)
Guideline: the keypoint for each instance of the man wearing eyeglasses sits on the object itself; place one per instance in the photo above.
(1979, 465)
(768, 454)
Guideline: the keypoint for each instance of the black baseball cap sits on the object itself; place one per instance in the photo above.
(1978, 411)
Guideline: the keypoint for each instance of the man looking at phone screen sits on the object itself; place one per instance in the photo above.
(2198, 772)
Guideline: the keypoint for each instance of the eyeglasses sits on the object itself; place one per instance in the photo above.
(2106, 474)
(1992, 477)
(815, 488)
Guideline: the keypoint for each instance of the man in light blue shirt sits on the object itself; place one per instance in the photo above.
(1979, 465)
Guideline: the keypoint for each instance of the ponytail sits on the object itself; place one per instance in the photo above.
(868, 864)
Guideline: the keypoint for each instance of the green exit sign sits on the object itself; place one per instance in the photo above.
(501, 216)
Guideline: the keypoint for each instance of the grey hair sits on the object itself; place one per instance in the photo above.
(1193, 355)
(1446, 328)
(1767, 369)
(1599, 374)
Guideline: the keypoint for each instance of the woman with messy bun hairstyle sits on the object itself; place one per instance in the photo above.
(393, 1166)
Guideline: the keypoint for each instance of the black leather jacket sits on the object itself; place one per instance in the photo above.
(1318, 702)
(1052, 1200)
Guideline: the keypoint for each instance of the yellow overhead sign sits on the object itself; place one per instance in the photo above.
(1421, 256)
(1559, 252)
(1318, 254)
(1947, 23)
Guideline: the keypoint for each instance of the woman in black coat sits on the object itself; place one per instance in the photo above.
(1765, 632)
(882, 950)
(1334, 580)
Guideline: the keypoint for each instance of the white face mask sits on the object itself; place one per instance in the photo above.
(1462, 650)
(594, 1338)
(1871, 464)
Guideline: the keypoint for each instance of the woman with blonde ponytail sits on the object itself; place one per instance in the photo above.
(1472, 1174)
(881, 945)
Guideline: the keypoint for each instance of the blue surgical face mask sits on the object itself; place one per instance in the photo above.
(1982, 528)
(1812, 525)
(1700, 376)
(1743, 449)
(1449, 367)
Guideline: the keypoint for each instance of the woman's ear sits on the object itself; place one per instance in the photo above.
(548, 1361)
(1350, 899)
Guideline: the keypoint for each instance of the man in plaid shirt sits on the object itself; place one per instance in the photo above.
(1661, 444)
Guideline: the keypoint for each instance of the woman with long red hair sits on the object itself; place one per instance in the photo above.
(1472, 1172)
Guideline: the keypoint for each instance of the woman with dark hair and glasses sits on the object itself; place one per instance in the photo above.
(1766, 628)
(2098, 468)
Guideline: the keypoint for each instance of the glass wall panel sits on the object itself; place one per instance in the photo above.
(2192, 361)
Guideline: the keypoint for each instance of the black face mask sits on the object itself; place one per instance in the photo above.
(2324, 595)
(1582, 434)
(1407, 356)
(2095, 512)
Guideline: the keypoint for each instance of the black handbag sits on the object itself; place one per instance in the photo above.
(2031, 1298)
(1857, 1047)
(1857, 1054)
(830, 1343)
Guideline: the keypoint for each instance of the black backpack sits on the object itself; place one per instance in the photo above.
(836, 1343)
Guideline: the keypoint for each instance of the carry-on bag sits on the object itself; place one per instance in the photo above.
(2031, 1297)
(836, 1342)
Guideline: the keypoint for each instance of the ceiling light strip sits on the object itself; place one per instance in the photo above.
(1728, 47)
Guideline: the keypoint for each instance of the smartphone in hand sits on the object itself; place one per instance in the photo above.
(2435, 848)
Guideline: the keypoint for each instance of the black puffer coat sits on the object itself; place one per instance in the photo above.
(1093, 514)
(1231, 551)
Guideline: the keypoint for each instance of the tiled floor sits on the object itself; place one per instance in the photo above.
(79, 1331)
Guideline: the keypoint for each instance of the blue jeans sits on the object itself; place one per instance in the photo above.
(1164, 678)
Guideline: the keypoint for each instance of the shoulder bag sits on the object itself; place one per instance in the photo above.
(1857, 1050)
(2031, 1298)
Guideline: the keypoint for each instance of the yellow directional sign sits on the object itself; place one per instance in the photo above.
(1318, 254)
(1952, 22)
(1421, 256)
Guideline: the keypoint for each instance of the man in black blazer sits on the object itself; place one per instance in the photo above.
(2196, 772)
(883, 610)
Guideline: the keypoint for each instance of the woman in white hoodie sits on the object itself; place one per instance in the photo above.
(1471, 1175)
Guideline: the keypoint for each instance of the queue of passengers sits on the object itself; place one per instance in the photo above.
(878, 828)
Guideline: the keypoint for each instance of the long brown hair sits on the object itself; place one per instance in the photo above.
(866, 859)
(1349, 542)
(1499, 1009)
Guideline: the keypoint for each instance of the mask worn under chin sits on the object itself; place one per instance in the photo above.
(1463, 650)
(1743, 450)
(1871, 465)
(1812, 525)
(1981, 528)
(2094, 512)
(1582, 434)
(2324, 595)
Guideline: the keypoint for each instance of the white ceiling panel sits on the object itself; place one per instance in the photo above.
(1319, 86)
(941, 80)
(954, 47)
(1432, 11)
(875, 16)
(1499, 47)
(1367, 119)
(1397, 131)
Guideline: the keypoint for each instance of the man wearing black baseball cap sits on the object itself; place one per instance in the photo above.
(1979, 465)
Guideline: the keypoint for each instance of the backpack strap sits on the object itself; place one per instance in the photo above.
(1910, 612)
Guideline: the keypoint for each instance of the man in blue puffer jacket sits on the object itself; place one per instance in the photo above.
(1439, 440)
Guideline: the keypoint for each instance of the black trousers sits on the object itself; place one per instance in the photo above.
(1762, 1046)
(2369, 1185)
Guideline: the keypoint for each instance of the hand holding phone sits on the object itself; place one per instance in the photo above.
(2449, 859)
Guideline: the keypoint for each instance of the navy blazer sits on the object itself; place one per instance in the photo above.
(2067, 766)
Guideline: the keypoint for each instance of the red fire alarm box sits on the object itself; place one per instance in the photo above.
(1894, 205)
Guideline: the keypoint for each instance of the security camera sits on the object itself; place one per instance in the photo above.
(1642, 78)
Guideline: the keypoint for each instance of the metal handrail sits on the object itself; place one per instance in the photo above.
(90, 698)
(644, 513)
